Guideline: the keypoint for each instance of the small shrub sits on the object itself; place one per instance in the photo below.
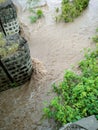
(39, 13)
(57, 10)
(33, 19)
(95, 39)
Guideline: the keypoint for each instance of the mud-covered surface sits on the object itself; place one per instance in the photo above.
(57, 46)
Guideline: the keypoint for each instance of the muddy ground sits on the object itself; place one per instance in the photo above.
(54, 48)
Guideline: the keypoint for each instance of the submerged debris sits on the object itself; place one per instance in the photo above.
(39, 70)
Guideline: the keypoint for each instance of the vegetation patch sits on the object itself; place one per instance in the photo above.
(72, 9)
(77, 95)
(35, 15)
(2, 1)
(7, 49)
(95, 38)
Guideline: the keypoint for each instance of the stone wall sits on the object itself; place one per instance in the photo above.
(8, 21)
(15, 62)
(17, 67)
(4, 80)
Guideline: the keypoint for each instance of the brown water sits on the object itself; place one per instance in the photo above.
(58, 46)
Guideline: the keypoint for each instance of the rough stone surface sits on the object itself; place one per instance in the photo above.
(5, 3)
(8, 21)
(89, 123)
(18, 65)
(35, 4)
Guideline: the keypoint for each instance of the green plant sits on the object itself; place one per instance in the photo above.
(95, 39)
(71, 10)
(57, 10)
(13, 85)
(68, 12)
(39, 13)
(35, 15)
(33, 19)
(81, 5)
(6, 50)
(77, 95)
(1, 1)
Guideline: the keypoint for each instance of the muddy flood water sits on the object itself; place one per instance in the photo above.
(54, 48)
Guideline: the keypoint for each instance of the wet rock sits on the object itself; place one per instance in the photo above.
(35, 4)
(21, 4)
(89, 123)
